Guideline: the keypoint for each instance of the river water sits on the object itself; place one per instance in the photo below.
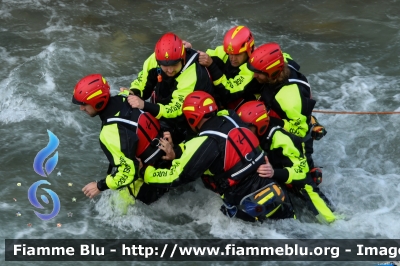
(349, 50)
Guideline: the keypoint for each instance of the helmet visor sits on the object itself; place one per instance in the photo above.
(75, 101)
(168, 62)
(255, 70)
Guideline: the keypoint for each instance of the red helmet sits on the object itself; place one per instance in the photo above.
(149, 133)
(267, 59)
(238, 40)
(255, 113)
(196, 105)
(93, 90)
(169, 50)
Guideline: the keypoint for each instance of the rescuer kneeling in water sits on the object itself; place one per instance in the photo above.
(229, 153)
(126, 133)
(286, 154)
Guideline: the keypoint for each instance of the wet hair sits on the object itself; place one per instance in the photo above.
(284, 75)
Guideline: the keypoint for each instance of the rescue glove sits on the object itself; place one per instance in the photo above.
(318, 131)
(316, 175)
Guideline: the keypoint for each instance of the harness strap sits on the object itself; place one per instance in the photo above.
(151, 121)
(152, 155)
(235, 147)
(300, 81)
(189, 62)
(231, 120)
(272, 132)
(247, 138)
(222, 135)
(292, 67)
(261, 156)
(116, 119)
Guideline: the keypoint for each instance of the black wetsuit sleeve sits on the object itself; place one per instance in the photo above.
(198, 156)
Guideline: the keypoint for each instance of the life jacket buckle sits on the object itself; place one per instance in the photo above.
(248, 159)
(153, 142)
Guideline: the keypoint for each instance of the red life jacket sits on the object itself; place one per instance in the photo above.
(243, 155)
(148, 131)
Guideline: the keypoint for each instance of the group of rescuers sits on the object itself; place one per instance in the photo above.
(238, 117)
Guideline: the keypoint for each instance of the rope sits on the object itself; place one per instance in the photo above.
(355, 113)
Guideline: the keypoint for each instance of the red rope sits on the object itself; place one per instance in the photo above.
(355, 113)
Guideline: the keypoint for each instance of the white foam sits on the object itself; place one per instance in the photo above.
(16, 109)
(5, 56)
